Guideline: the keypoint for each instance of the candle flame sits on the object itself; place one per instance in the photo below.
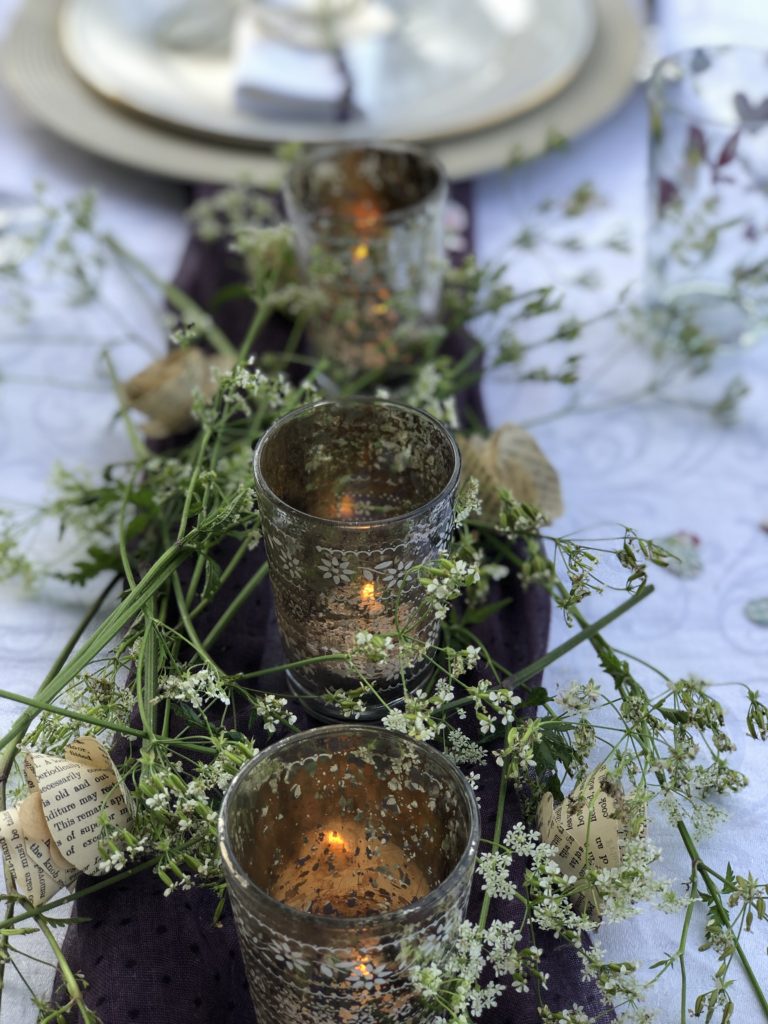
(360, 252)
(346, 507)
(368, 593)
(335, 839)
(365, 214)
(363, 968)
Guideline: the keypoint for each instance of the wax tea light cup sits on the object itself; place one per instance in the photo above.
(369, 234)
(355, 495)
(348, 853)
(707, 240)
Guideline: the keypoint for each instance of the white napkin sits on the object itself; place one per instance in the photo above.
(274, 78)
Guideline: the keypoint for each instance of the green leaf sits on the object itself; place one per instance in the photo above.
(99, 560)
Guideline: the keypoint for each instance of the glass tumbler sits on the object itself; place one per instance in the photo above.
(354, 495)
(708, 230)
(369, 235)
(348, 853)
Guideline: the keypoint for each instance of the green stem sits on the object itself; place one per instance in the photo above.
(140, 450)
(65, 970)
(127, 610)
(589, 632)
(184, 304)
(192, 634)
(77, 716)
(37, 912)
(236, 605)
(317, 659)
(681, 951)
(260, 317)
(6, 760)
(725, 920)
(227, 572)
(484, 910)
(202, 441)
(693, 853)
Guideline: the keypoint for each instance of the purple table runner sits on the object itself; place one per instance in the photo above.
(150, 959)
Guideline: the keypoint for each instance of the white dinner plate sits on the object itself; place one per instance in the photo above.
(33, 65)
(449, 67)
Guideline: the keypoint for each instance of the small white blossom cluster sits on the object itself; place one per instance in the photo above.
(576, 1015)
(226, 210)
(444, 580)
(176, 816)
(548, 892)
(459, 984)
(351, 703)
(620, 889)
(494, 705)
(468, 501)
(463, 661)
(269, 253)
(462, 750)
(373, 647)
(418, 715)
(244, 389)
(196, 688)
(271, 709)
(424, 393)
(579, 697)
(519, 751)
(617, 981)
(170, 477)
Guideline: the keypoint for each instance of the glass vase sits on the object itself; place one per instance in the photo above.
(369, 235)
(348, 853)
(355, 496)
(707, 237)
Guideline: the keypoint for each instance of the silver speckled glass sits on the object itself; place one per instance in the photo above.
(354, 495)
(707, 239)
(348, 853)
(369, 234)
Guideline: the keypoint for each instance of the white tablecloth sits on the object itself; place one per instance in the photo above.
(660, 468)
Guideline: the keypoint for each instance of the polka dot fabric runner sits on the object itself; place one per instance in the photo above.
(150, 959)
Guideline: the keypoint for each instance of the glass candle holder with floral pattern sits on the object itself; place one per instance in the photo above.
(370, 237)
(348, 853)
(707, 238)
(355, 495)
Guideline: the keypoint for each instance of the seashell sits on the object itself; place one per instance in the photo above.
(510, 459)
(163, 390)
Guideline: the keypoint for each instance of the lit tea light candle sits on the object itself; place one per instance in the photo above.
(369, 230)
(346, 509)
(349, 874)
(368, 599)
(349, 854)
(354, 496)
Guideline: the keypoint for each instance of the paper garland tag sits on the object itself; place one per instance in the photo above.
(510, 459)
(587, 831)
(54, 833)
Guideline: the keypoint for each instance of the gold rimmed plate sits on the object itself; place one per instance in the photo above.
(447, 68)
(34, 66)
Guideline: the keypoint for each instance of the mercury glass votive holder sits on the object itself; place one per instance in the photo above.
(348, 853)
(369, 233)
(355, 495)
(707, 238)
